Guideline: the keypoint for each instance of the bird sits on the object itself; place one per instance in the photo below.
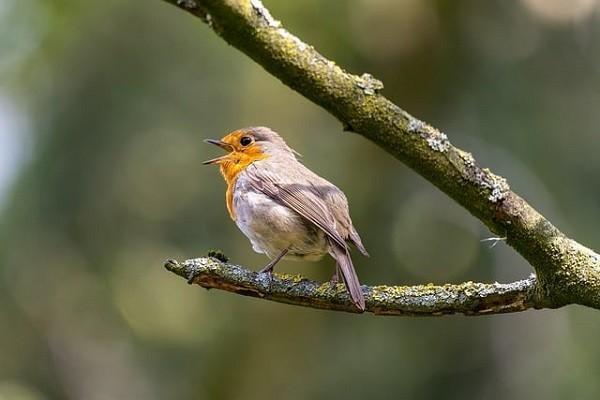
(286, 210)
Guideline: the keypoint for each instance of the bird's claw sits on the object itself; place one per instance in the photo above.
(334, 281)
(335, 278)
(267, 270)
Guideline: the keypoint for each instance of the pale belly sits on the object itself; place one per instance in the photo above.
(272, 228)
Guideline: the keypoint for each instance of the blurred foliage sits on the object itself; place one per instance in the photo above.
(114, 99)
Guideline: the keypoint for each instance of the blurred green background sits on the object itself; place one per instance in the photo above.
(103, 108)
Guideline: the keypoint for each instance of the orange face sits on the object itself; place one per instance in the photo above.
(242, 151)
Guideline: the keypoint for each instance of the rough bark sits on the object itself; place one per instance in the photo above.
(467, 298)
(567, 272)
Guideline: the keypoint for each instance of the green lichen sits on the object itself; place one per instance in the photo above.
(292, 278)
(566, 274)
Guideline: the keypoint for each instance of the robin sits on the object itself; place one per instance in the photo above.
(285, 209)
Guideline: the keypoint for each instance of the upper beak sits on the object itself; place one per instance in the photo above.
(221, 144)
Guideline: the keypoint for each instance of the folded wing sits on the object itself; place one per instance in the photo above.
(307, 200)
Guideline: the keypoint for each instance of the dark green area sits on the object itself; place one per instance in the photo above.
(355, 101)
(118, 97)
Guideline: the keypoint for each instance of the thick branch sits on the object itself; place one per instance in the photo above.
(425, 300)
(567, 272)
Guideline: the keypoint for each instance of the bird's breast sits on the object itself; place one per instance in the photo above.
(272, 227)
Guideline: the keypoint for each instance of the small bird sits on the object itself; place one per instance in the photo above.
(285, 209)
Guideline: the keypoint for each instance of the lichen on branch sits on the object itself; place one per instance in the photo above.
(467, 298)
(568, 273)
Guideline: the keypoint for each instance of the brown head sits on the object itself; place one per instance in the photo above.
(245, 146)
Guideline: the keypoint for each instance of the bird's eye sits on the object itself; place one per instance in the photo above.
(245, 141)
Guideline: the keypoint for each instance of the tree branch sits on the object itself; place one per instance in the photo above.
(424, 300)
(567, 271)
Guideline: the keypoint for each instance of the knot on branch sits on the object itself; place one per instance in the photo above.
(187, 4)
(264, 14)
(369, 85)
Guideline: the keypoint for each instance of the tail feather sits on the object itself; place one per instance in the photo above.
(342, 256)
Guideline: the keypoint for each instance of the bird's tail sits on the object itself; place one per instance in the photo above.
(342, 257)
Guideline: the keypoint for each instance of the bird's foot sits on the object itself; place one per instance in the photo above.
(335, 279)
(268, 271)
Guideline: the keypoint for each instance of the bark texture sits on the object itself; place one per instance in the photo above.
(567, 272)
(467, 298)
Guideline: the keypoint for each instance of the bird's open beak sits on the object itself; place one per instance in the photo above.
(225, 146)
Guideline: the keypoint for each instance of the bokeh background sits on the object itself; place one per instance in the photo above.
(103, 108)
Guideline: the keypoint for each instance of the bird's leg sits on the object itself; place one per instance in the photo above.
(335, 279)
(269, 267)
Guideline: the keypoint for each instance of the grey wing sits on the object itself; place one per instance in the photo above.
(300, 197)
(338, 203)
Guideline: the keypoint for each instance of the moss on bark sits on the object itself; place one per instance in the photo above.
(568, 272)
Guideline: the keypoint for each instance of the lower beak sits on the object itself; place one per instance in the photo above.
(221, 144)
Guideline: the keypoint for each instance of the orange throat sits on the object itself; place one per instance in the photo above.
(231, 167)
